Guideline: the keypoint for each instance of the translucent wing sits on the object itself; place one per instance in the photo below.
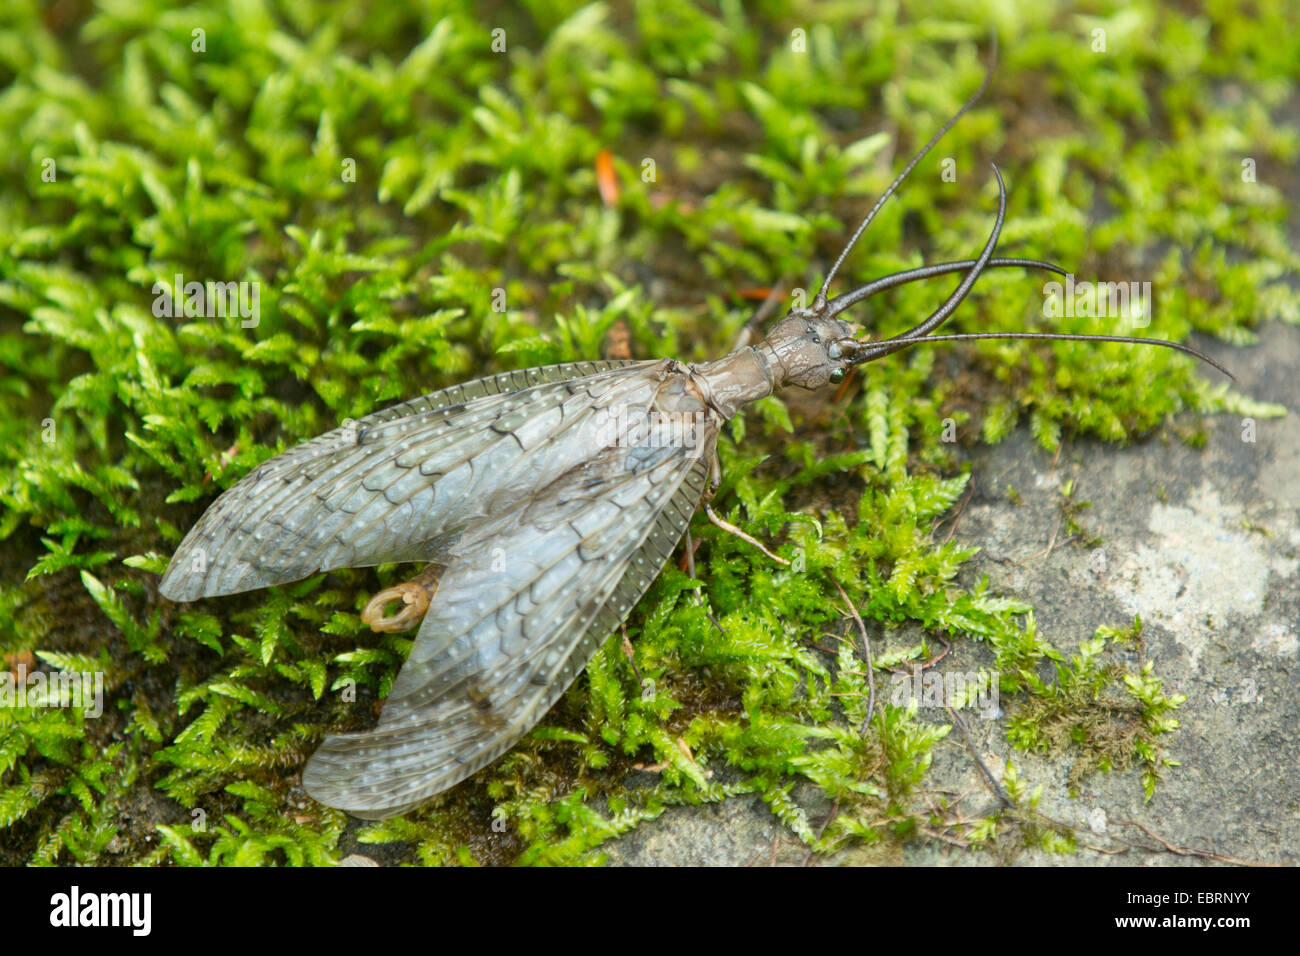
(398, 484)
(523, 604)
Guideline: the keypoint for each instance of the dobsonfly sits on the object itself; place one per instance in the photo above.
(545, 502)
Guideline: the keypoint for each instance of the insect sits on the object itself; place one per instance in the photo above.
(545, 501)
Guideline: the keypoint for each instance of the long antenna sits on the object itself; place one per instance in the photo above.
(842, 302)
(872, 350)
(820, 302)
(940, 315)
(857, 351)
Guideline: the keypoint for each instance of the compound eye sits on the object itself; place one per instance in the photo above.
(838, 376)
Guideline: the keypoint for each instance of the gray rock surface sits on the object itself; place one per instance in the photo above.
(1205, 545)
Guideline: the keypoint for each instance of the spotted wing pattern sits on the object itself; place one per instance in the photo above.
(524, 603)
(396, 485)
(549, 526)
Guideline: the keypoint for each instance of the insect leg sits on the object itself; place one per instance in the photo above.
(715, 482)
(730, 528)
(690, 567)
(764, 312)
(630, 654)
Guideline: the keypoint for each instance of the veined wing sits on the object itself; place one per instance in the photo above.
(394, 485)
(523, 605)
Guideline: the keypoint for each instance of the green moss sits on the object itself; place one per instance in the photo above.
(1109, 714)
(474, 172)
